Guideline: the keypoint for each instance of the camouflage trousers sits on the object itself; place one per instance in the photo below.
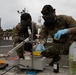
(22, 49)
(55, 49)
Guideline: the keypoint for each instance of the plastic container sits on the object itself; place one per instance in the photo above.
(30, 73)
(72, 59)
(36, 53)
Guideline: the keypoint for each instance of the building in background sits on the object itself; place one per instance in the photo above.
(1, 31)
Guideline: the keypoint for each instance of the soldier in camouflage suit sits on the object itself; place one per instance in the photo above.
(20, 33)
(62, 28)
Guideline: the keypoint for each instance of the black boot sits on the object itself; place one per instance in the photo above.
(55, 59)
(21, 56)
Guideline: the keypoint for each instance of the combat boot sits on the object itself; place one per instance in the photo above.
(21, 56)
(55, 59)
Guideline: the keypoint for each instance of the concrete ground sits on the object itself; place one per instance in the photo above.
(5, 42)
(63, 65)
(47, 71)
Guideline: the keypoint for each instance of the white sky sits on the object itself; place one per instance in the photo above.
(10, 17)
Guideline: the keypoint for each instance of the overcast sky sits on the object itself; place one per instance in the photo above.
(10, 17)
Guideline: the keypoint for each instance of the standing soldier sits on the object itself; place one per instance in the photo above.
(62, 28)
(21, 33)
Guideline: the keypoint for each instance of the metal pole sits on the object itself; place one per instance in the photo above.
(18, 46)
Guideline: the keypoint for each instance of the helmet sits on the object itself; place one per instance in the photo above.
(47, 9)
(25, 17)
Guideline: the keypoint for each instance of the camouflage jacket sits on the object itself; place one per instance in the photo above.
(62, 22)
(18, 32)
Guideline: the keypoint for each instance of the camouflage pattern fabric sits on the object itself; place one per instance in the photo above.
(62, 22)
(19, 33)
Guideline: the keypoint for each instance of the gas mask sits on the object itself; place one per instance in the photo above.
(25, 20)
(25, 24)
(49, 20)
(48, 13)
